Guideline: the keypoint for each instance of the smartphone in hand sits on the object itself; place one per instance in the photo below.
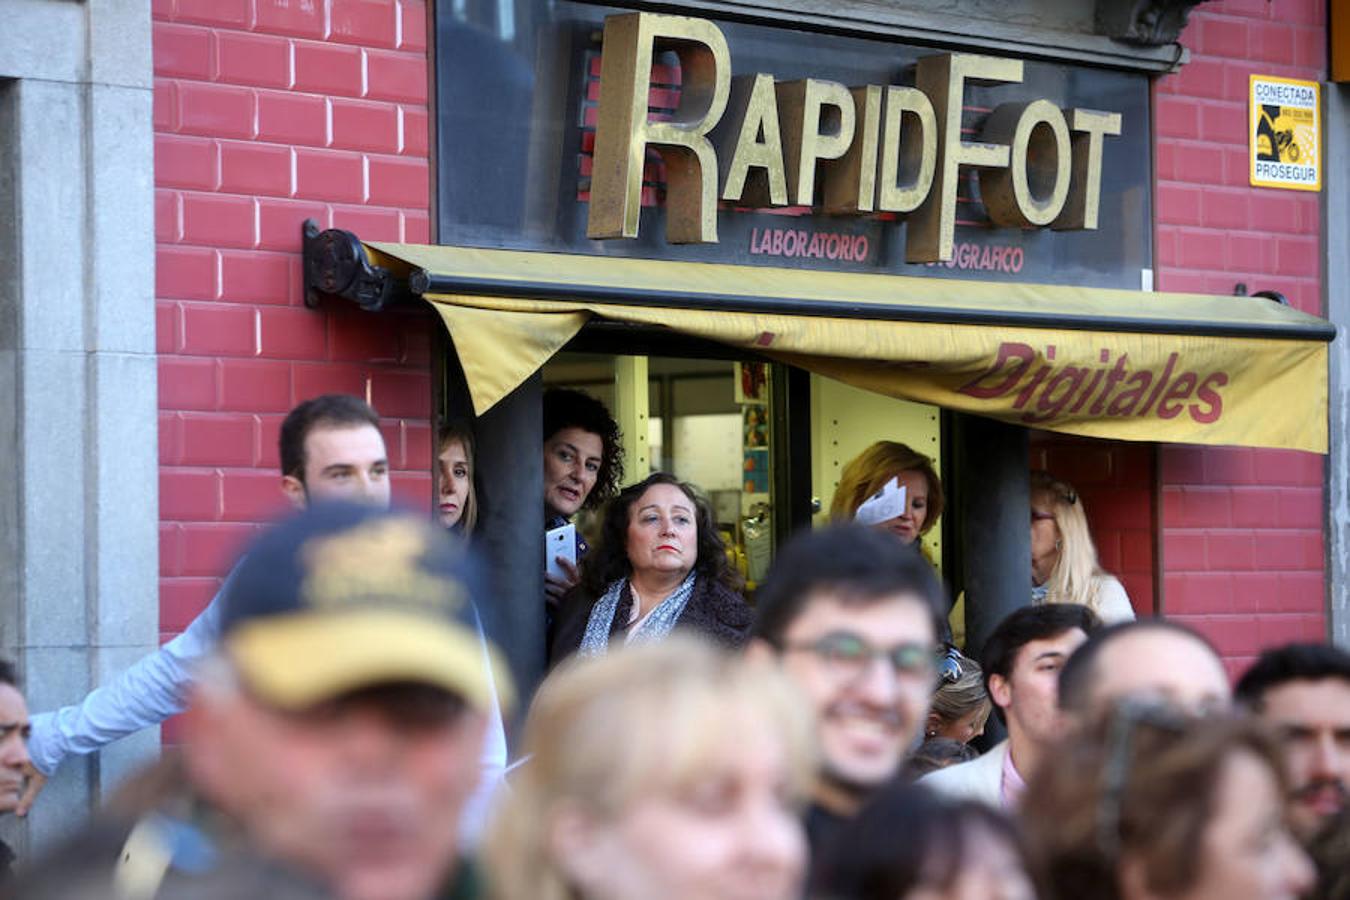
(560, 541)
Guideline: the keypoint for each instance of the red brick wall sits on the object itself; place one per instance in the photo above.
(267, 113)
(1243, 555)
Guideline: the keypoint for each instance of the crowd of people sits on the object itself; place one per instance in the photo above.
(346, 712)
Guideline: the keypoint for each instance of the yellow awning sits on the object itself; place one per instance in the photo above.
(1184, 368)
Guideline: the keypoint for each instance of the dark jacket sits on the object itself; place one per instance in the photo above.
(714, 611)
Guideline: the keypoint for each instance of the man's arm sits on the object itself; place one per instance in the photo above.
(147, 693)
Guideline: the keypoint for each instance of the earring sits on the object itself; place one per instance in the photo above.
(1057, 544)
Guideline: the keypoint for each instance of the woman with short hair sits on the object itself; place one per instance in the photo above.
(583, 467)
(869, 471)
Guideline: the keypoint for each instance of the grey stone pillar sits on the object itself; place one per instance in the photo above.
(79, 569)
(1335, 229)
(992, 461)
(510, 531)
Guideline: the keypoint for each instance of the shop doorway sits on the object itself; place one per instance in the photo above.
(766, 443)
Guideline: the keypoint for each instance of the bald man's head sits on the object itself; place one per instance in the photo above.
(1151, 658)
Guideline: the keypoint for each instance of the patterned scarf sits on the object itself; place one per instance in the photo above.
(657, 625)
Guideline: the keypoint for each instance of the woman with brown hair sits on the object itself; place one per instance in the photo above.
(1151, 805)
(870, 471)
(660, 565)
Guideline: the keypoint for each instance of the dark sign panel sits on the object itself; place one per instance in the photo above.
(829, 152)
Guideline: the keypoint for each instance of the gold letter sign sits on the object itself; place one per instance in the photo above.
(1037, 167)
(943, 78)
(624, 131)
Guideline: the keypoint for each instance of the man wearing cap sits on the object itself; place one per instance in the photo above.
(333, 738)
(331, 448)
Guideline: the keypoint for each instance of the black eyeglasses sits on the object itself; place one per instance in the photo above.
(849, 654)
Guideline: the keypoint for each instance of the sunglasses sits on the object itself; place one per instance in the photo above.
(1128, 716)
(949, 668)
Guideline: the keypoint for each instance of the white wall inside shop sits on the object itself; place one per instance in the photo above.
(79, 506)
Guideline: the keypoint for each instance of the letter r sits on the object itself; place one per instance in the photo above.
(623, 130)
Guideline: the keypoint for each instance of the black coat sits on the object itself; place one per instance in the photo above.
(714, 611)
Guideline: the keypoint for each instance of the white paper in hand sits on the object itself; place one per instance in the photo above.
(882, 506)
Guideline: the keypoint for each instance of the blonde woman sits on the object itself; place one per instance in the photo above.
(1064, 566)
(961, 705)
(665, 770)
(456, 499)
(868, 473)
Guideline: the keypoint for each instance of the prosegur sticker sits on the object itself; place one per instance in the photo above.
(882, 506)
(1285, 134)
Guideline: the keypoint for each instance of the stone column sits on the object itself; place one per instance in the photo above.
(79, 570)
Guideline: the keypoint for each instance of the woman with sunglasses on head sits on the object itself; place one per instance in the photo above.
(961, 705)
(1148, 804)
(1064, 566)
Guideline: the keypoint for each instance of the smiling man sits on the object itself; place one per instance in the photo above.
(1303, 691)
(1021, 662)
(852, 618)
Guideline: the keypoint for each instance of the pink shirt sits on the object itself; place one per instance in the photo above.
(1012, 785)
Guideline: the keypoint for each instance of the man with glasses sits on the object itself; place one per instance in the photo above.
(852, 617)
(1021, 661)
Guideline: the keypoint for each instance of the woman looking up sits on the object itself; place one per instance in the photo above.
(869, 472)
(1064, 567)
(660, 564)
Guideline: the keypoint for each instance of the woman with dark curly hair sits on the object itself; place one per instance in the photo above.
(660, 565)
(583, 465)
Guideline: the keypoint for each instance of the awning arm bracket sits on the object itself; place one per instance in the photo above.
(336, 263)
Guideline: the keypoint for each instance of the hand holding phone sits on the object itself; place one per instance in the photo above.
(560, 542)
